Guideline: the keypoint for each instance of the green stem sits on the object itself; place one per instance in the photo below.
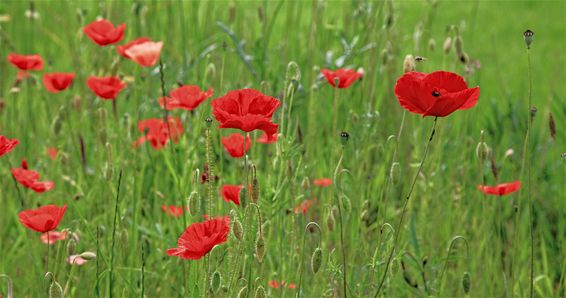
(337, 197)
(114, 234)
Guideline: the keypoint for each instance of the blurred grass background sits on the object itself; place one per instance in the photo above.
(235, 44)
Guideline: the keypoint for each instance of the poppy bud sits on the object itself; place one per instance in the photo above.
(330, 220)
(243, 292)
(215, 282)
(466, 282)
(344, 136)
(260, 292)
(431, 44)
(394, 172)
(459, 45)
(408, 277)
(88, 255)
(533, 112)
(254, 193)
(316, 260)
(482, 151)
(409, 64)
(71, 247)
(552, 126)
(238, 229)
(55, 290)
(244, 197)
(208, 121)
(385, 56)
(529, 36)
(447, 46)
(56, 125)
(260, 248)
(102, 135)
(346, 203)
(394, 266)
(464, 58)
(389, 19)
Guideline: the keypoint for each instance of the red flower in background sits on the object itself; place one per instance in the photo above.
(42, 219)
(199, 238)
(57, 81)
(29, 179)
(277, 284)
(264, 139)
(174, 211)
(26, 62)
(322, 182)
(231, 193)
(52, 153)
(246, 110)
(53, 236)
(436, 94)
(122, 49)
(105, 87)
(104, 33)
(157, 131)
(145, 53)
(500, 189)
(302, 207)
(234, 144)
(186, 97)
(7, 145)
(345, 77)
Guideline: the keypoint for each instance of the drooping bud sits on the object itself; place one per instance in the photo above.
(466, 282)
(237, 229)
(447, 45)
(215, 282)
(260, 292)
(529, 36)
(55, 290)
(409, 64)
(71, 245)
(316, 260)
(431, 44)
(464, 58)
(243, 292)
(260, 248)
(459, 45)
(88, 255)
(244, 197)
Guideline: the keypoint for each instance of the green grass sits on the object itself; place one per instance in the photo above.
(197, 50)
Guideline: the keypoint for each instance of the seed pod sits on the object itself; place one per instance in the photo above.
(215, 282)
(55, 290)
(260, 292)
(409, 64)
(552, 126)
(208, 121)
(238, 229)
(260, 248)
(316, 260)
(88, 255)
(243, 292)
(447, 46)
(466, 282)
(529, 36)
(459, 45)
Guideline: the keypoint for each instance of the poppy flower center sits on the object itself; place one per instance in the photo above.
(435, 93)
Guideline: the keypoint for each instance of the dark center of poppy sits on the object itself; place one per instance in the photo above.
(435, 93)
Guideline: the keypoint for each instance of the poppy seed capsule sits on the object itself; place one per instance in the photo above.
(316, 260)
(482, 151)
(215, 282)
(447, 46)
(529, 36)
(344, 136)
(260, 248)
(55, 290)
(466, 282)
(409, 64)
(260, 292)
(208, 121)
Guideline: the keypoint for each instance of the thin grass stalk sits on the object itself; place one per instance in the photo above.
(111, 273)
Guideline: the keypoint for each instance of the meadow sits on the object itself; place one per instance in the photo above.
(360, 195)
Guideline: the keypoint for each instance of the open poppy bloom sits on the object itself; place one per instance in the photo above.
(246, 110)
(7, 145)
(57, 81)
(105, 87)
(53, 236)
(186, 97)
(234, 144)
(157, 131)
(174, 211)
(29, 179)
(278, 284)
(199, 238)
(500, 189)
(52, 153)
(43, 219)
(344, 77)
(145, 54)
(26, 62)
(264, 139)
(121, 49)
(302, 207)
(231, 193)
(436, 94)
(104, 33)
(322, 182)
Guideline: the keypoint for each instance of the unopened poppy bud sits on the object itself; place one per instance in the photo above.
(71, 245)
(330, 221)
(409, 64)
(102, 135)
(244, 197)
(231, 12)
(254, 193)
(389, 18)
(238, 229)
(208, 121)
(395, 172)
(347, 203)
(482, 151)
(459, 45)
(466, 282)
(55, 290)
(425, 260)
(447, 46)
(552, 126)
(344, 136)
(316, 260)
(431, 44)
(215, 282)
(408, 277)
(243, 292)
(56, 125)
(101, 115)
(464, 58)
(384, 56)
(529, 36)
(88, 255)
(260, 248)
(260, 292)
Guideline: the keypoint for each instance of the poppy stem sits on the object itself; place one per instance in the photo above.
(527, 157)
(335, 111)
(111, 277)
(312, 223)
(48, 251)
(398, 229)
(16, 186)
(338, 203)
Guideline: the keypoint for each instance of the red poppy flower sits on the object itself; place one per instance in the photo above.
(264, 139)
(291, 286)
(52, 153)
(105, 87)
(247, 110)
(501, 189)
(436, 94)
(26, 62)
(146, 53)
(199, 238)
(104, 33)
(29, 179)
(174, 211)
(303, 207)
(7, 145)
(275, 284)
(185, 97)
(122, 49)
(42, 219)
(323, 182)
(345, 77)
(157, 131)
(231, 193)
(53, 236)
(234, 144)
(57, 81)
